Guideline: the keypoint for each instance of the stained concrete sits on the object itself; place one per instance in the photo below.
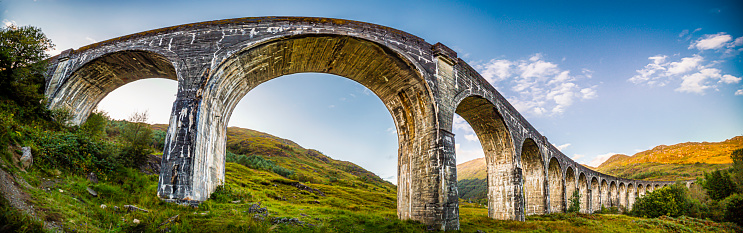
(422, 85)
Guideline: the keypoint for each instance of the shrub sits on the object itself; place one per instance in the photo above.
(574, 202)
(137, 136)
(670, 201)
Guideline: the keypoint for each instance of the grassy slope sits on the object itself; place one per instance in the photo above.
(348, 204)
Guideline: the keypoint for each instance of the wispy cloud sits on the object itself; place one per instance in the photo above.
(696, 73)
(563, 146)
(541, 87)
(7, 23)
(599, 159)
(714, 41)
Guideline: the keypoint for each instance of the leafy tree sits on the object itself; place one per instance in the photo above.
(158, 139)
(734, 209)
(737, 157)
(95, 125)
(574, 202)
(719, 185)
(22, 51)
(137, 136)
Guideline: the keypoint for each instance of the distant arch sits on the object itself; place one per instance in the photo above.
(595, 195)
(631, 195)
(570, 186)
(613, 195)
(531, 159)
(622, 196)
(584, 193)
(556, 184)
(605, 202)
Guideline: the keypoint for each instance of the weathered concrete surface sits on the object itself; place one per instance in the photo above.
(422, 85)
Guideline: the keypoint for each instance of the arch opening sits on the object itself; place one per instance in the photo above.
(613, 195)
(495, 139)
(605, 202)
(93, 81)
(622, 197)
(584, 195)
(556, 186)
(570, 186)
(534, 176)
(595, 195)
(631, 195)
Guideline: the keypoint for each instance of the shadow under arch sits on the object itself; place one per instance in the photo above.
(89, 84)
(495, 138)
(631, 196)
(570, 186)
(395, 80)
(605, 202)
(622, 199)
(534, 178)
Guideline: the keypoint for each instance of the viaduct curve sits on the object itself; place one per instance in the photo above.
(422, 85)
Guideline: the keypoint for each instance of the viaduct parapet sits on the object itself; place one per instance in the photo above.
(216, 63)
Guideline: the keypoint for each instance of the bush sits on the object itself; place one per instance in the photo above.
(734, 209)
(574, 202)
(257, 162)
(670, 201)
(137, 136)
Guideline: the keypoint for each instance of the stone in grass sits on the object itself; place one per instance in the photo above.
(165, 226)
(27, 159)
(135, 221)
(103, 206)
(92, 192)
(93, 178)
(130, 208)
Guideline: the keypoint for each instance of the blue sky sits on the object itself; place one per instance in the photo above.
(595, 77)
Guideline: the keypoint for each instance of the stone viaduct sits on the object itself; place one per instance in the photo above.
(422, 85)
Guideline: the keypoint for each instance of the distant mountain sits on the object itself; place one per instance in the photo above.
(473, 169)
(681, 161)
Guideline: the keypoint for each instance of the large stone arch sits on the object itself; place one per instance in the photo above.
(595, 195)
(534, 177)
(87, 85)
(622, 204)
(570, 186)
(394, 79)
(497, 145)
(584, 194)
(640, 190)
(556, 186)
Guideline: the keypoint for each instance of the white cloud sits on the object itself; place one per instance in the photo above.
(90, 39)
(471, 137)
(541, 87)
(7, 23)
(739, 92)
(599, 159)
(496, 70)
(695, 74)
(710, 41)
(700, 81)
(563, 146)
(576, 157)
(685, 65)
